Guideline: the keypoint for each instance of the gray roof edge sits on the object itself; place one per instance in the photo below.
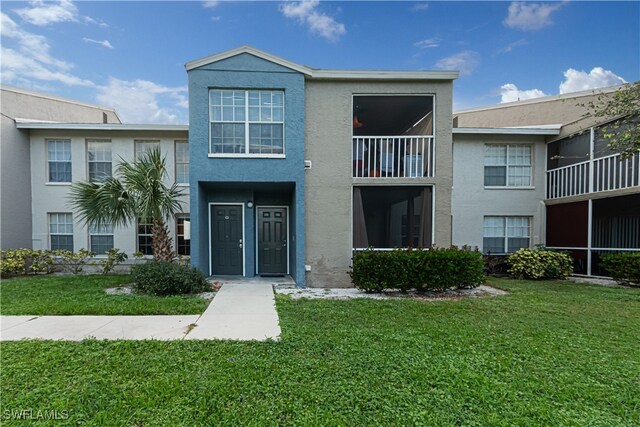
(30, 124)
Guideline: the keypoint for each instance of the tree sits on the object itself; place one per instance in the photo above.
(623, 134)
(135, 192)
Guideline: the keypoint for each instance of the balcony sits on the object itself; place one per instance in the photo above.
(594, 176)
(393, 157)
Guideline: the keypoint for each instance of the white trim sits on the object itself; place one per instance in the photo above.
(244, 242)
(256, 236)
(555, 130)
(247, 156)
(251, 51)
(99, 126)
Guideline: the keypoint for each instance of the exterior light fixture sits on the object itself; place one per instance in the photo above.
(249, 204)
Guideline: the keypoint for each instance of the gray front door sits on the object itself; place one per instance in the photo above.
(226, 240)
(272, 240)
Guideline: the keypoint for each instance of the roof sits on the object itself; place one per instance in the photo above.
(325, 74)
(30, 124)
(547, 130)
(54, 98)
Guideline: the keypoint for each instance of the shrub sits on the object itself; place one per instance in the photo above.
(540, 264)
(168, 278)
(74, 262)
(114, 257)
(420, 269)
(623, 267)
(495, 265)
(16, 262)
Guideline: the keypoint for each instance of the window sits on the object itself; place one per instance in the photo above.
(101, 238)
(246, 122)
(142, 147)
(61, 231)
(182, 162)
(145, 238)
(507, 165)
(392, 217)
(99, 159)
(506, 234)
(59, 156)
(183, 235)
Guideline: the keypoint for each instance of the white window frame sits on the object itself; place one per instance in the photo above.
(186, 164)
(49, 161)
(247, 122)
(505, 237)
(98, 232)
(138, 224)
(57, 215)
(507, 166)
(138, 142)
(89, 161)
(184, 217)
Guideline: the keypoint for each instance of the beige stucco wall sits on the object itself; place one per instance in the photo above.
(53, 197)
(15, 172)
(329, 183)
(472, 202)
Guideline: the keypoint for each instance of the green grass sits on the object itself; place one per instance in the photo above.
(548, 354)
(65, 295)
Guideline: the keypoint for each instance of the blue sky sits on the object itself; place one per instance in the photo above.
(131, 55)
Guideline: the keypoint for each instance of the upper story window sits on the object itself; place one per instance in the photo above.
(59, 160)
(99, 159)
(246, 123)
(144, 146)
(507, 165)
(182, 162)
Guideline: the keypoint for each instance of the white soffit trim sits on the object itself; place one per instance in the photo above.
(319, 74)
(530, 130)
(27, 124)
(252, 51)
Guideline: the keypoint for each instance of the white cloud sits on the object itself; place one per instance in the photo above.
(427, 43)
(215, 18)
(18, 67)
(530, 16)
(419, 7)
(140, 101)
(319, 23)
(510, 93)
(210, 4)
(103, 43)
(575, 81)
(511, 46)
(90, 20)
(465, 62)
(45, 13)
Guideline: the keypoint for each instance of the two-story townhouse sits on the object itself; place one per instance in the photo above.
(586, 198)
(63, 153)
(15, 172)
(293, 168)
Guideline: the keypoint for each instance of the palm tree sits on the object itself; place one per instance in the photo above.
(135, 192)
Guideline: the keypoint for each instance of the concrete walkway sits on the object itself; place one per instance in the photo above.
(241, 310)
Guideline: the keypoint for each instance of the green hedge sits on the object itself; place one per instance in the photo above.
(540, 264)
(435, 269)
(168, 278)
(624, 267)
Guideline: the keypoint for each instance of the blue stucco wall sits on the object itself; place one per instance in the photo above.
(245, 71)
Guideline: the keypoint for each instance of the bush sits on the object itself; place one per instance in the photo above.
(495, 265)
(114, 257)
(168, 278)
(540, 264)
(623, 267)
(420, 269)
(74, 262)
(15, 262)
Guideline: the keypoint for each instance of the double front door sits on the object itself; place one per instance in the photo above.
(227, 245)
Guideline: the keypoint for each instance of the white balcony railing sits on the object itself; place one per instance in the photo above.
(393, 157)
(603, 174)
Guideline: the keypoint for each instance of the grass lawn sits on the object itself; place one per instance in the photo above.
(548, 354)
(63, 295)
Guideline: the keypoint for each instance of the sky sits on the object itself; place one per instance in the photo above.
(131, 55)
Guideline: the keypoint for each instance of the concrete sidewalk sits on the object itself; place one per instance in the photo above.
(241, 310)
